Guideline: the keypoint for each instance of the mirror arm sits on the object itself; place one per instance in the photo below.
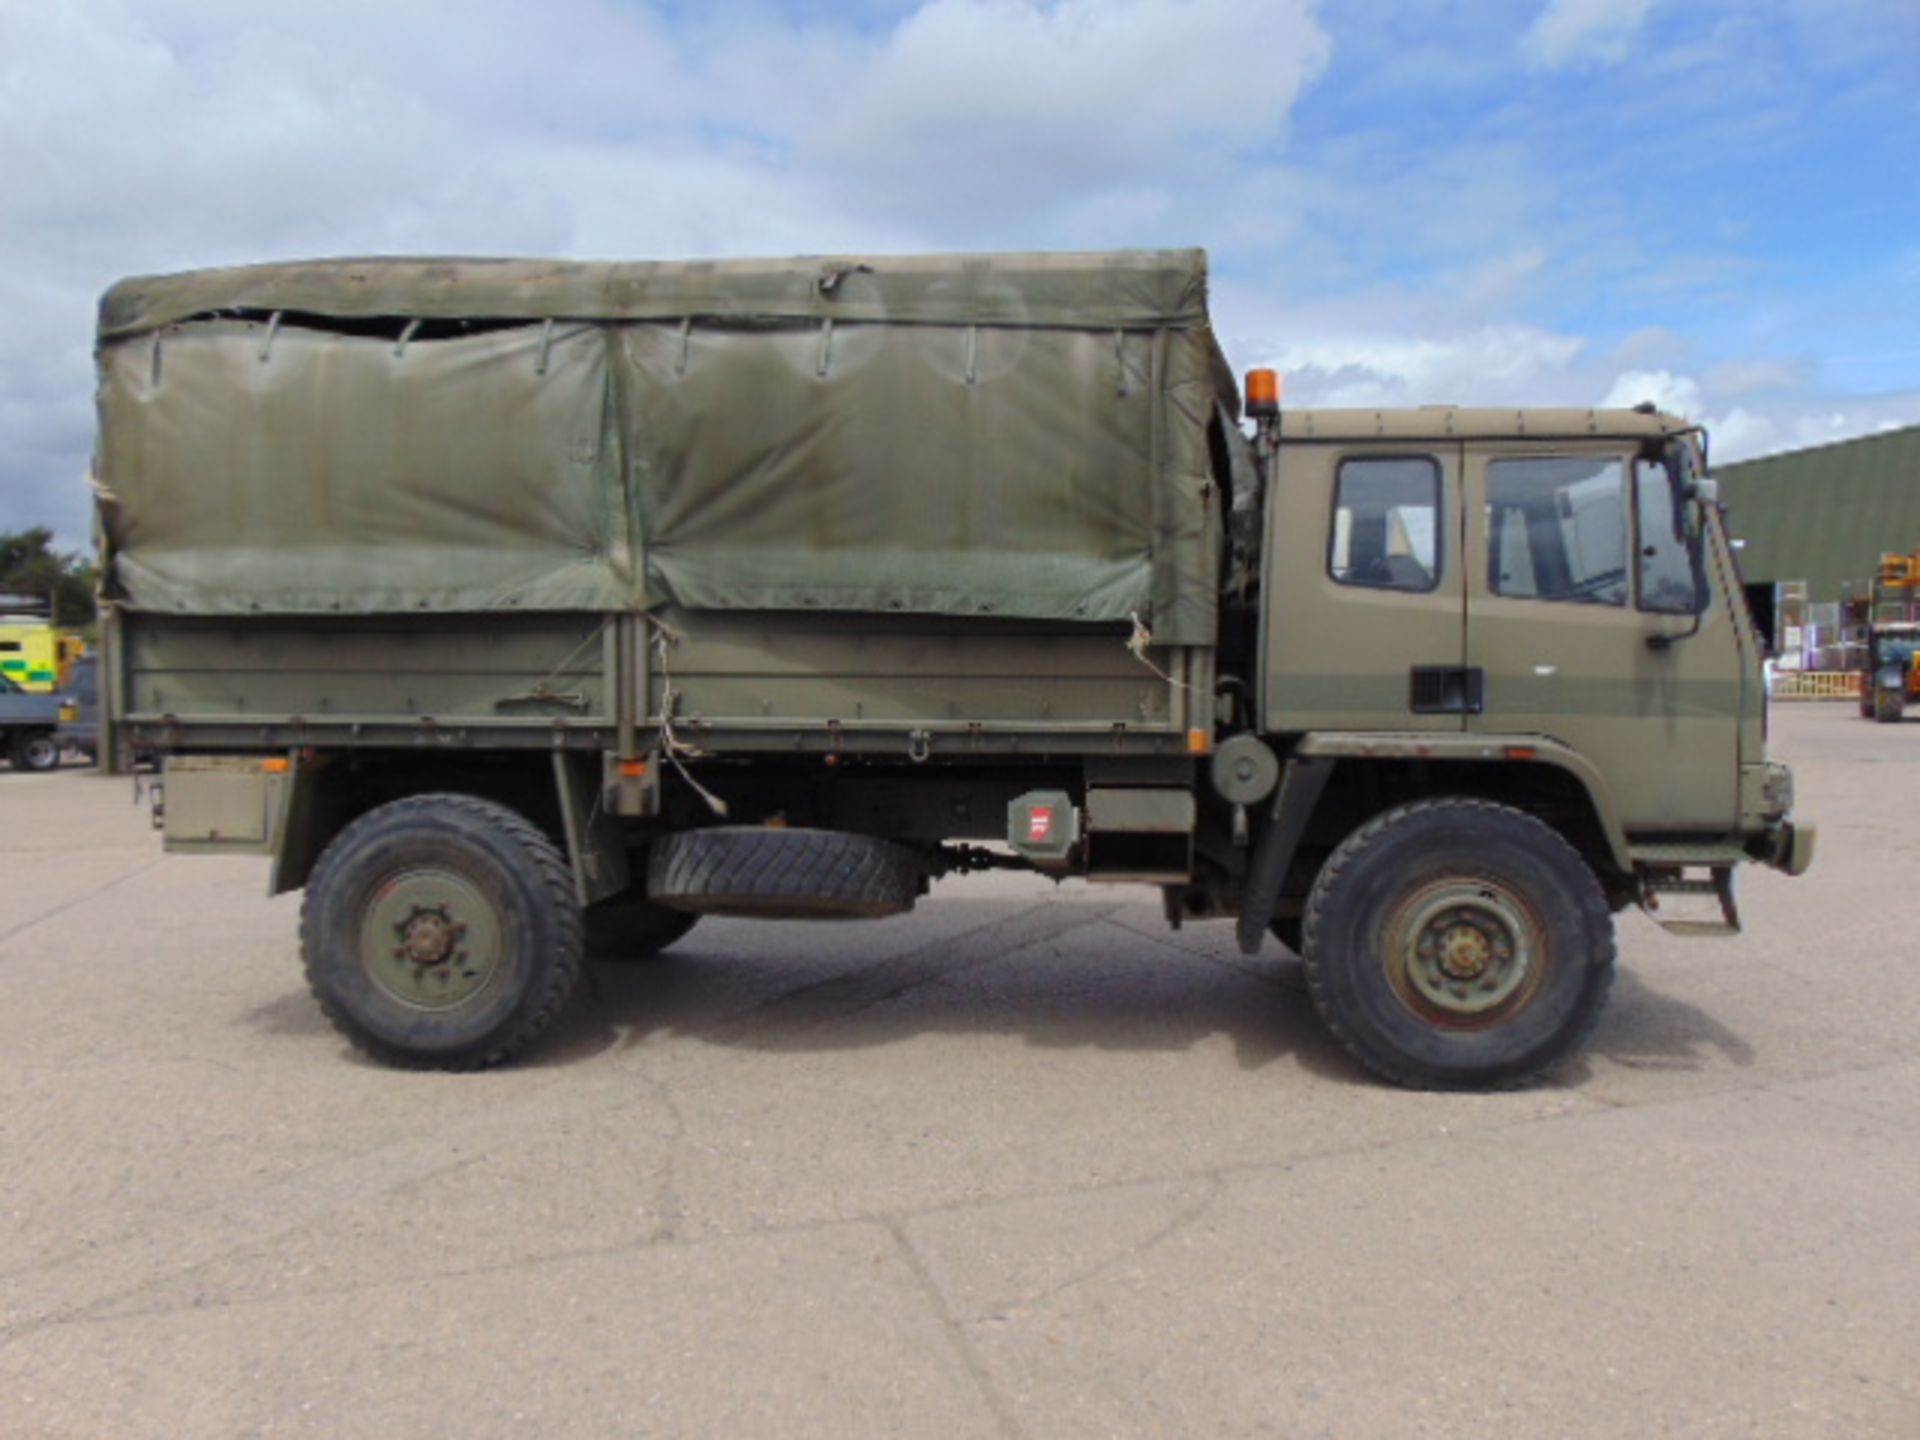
(1667, 642)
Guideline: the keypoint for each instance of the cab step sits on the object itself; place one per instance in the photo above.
(1660, 884)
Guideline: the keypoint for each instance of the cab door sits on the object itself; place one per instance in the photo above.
(1580, 598)
(1365, 590)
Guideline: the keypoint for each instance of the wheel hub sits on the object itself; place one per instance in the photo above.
(1464, 951)
(428, 936)
(430, 939)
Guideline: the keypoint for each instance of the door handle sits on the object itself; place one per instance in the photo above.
(1448, 690)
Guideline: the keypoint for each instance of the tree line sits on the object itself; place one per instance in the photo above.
(31, 566)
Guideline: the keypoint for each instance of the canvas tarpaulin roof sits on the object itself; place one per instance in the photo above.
(1011, 435)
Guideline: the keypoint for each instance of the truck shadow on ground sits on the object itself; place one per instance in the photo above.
(1077, 993)
(1074, 997)
(1643, 1029)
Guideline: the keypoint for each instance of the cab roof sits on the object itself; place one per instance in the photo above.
(1456, 422)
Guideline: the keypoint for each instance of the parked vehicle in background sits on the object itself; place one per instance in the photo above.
(28, 722)
(1890, 671)
(36, 655)
(506, 602)
(79, 727)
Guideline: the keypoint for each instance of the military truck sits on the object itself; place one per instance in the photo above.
(506, 605)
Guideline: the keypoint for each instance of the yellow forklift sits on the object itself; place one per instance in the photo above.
(1890, 670)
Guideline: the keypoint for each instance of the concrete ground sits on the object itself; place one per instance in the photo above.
(1024, 1163)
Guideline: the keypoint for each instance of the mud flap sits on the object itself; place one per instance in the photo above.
(1300, 785)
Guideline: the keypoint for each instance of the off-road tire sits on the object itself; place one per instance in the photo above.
(39, 753)
(1380, 872)
(627, 928)
(532, 904)
(770, 873)
(1888, 705)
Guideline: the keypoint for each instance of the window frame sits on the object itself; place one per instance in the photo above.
(1438, 470)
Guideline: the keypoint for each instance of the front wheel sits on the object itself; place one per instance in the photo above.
(1888, 705)
(1454, 944)
(441, 932)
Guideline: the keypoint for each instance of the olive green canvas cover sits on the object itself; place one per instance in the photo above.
(1018, 435)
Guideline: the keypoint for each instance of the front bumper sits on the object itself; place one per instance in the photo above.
(1785, 846)
(1766, 802)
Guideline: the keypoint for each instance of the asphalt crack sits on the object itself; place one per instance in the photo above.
(1002, 1407)
(64, 906)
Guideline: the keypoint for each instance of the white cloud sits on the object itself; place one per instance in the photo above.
(1584, 32)
(1741, 434)
(1484, 366)
(1675, 394)
(170, 134)
(979, 108)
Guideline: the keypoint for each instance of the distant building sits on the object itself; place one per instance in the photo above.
(1811, 526)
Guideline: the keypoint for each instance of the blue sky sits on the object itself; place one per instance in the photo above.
(1712, 205)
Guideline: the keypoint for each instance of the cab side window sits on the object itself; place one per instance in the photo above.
(1386, 523)
(1557, 528)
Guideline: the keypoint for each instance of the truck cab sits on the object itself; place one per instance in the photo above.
(1478, 584)
(1507, 673)
(1536, 601)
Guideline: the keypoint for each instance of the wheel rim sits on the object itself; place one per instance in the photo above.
(430, 939)
(42, 753)
(1465, 952)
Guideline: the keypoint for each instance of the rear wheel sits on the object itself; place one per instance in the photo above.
(441, 932)
(1458, 944)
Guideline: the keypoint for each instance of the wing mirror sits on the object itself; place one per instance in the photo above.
(1699, 495)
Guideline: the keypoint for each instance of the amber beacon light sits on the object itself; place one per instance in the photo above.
(1263, 393)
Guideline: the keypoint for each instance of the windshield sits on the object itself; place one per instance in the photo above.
(1897, 649)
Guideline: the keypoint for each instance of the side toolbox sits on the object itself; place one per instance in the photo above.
(222, 804)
